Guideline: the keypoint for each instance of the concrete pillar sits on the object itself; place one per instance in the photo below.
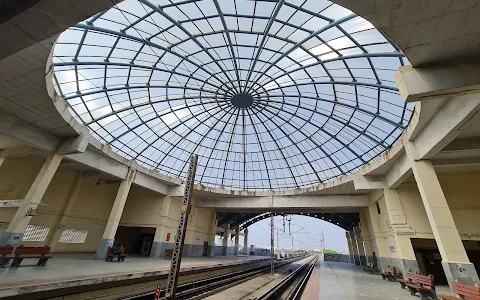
(356, 253)
(213, 234)
(115, 216)
(191, 246)
(14, 233)
(57, 229)
(351, 253)
(367, 246)
(245, 242)
(379, 246)
(160, 242)
(360, 247)
(237, 240)
(401, 232)
(226, 233)
(455, 261)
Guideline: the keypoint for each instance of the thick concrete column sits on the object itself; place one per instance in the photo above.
(213, 234)
(237, 240)
(351, 253)
(379, 245)
(245, 241)
(226, 233)
(401, 232)
(191, 247)
(115, 216)
(356, 253)
(367, 246)
(160, 242)
(14, 233)
(455, 261)
(360, 247)
(55, 233)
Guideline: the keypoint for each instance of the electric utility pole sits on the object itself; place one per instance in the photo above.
(181, 230)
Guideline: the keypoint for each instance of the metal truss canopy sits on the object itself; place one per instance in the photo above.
(344, 220)
(269, 94)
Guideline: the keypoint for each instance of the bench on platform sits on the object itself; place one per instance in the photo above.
(422, 284)
(168, 253)
(120, 254)
(390, 274)
(21, 253)
(4, 252)
(369, 269)
(409, 277)
(463, 290)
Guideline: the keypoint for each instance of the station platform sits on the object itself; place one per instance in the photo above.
(72, 270)
(342, 281)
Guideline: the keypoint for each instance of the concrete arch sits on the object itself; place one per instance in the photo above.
(343, 220)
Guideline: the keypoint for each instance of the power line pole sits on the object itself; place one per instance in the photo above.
(181, 230)
(272, 245)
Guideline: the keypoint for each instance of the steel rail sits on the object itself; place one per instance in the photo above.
(276, 291)
(191, 289)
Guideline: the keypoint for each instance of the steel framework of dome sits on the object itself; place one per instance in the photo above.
(269, 94)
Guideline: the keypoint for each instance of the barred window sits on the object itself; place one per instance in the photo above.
(73, 236)
(35, 233)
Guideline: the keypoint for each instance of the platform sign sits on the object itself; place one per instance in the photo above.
(168, 237)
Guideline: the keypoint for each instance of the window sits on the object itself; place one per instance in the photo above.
(35, 233)
(378, 208)
(73, 236)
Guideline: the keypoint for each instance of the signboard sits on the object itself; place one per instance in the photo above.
(197, 240)
(168, 237)
(392, 248)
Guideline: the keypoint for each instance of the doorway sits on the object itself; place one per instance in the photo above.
(135, 240)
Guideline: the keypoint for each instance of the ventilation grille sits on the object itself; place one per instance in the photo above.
(35, 233)
(73, 236)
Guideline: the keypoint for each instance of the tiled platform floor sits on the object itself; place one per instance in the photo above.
(341, 281)
(78, 266)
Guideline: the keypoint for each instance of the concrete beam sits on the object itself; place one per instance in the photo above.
(73, 145)
(455, 116)
(368, 183)
(10, 203)
(285, 202)
(27, 134)
(400, 171)
(149, 182)
(100, 163)
(418, 84)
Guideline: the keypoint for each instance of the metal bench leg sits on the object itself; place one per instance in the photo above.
(42, 261)
(402, 285)
(16, 262)
(412, 291)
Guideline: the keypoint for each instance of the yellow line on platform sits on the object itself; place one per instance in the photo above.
(340, 281)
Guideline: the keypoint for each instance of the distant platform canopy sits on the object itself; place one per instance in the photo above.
(271, 95)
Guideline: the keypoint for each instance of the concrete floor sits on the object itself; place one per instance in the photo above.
(341, 281)
(81, 266)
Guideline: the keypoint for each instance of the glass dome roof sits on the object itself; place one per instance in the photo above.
(269, 94)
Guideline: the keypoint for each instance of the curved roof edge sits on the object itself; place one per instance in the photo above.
(377, 167)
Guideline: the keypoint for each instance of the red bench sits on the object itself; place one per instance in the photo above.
(168, 253)
(120, 253)
(463, 290)
(4, 252)
(369, 269)
(390, 274)
(409, 277)
(422, 284)
(21, 253)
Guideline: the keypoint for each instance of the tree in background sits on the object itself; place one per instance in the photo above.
(330, 251)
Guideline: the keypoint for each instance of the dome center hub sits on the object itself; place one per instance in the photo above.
(242, 100)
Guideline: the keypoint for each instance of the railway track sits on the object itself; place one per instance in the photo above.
(202, 288)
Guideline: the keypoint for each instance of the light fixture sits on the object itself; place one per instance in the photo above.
(98, 182)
